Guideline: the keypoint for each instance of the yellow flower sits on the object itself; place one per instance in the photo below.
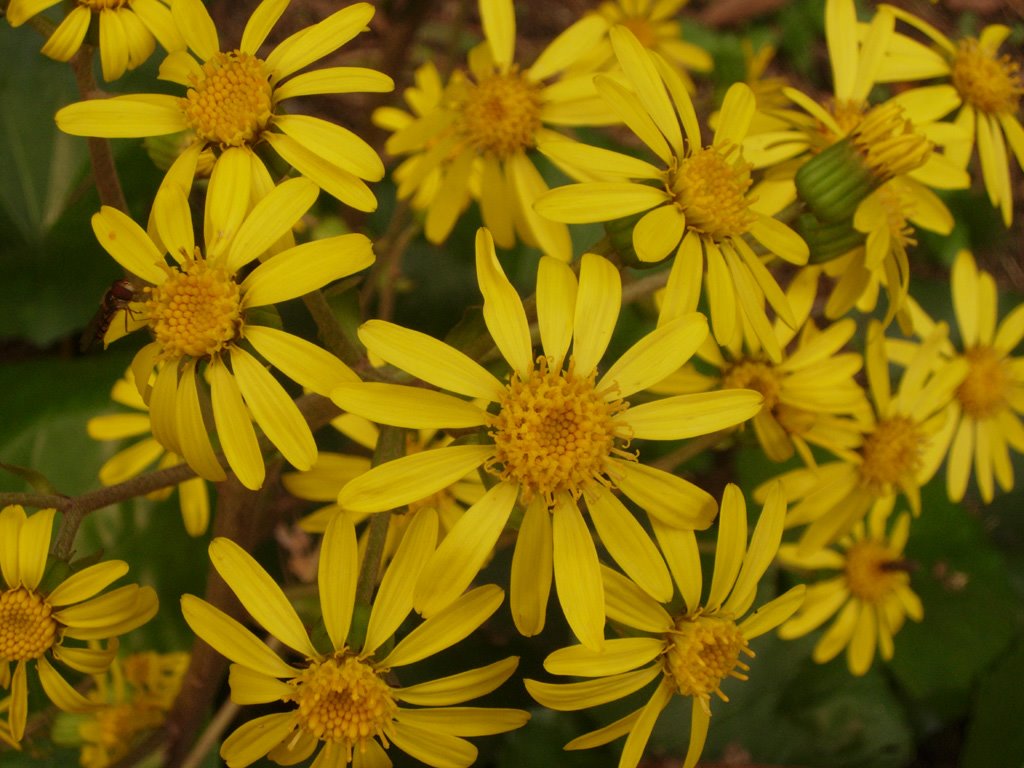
(557, 431)
(696, 206)
(808, 396)
(655, 23)
(690, 653)
(347, 702)
(37, 620)
(905, 435)
(233, 101)
(199, 308)
(489, 120)
(986, 411)
(132, 699)
(128, 30)
(983, 86)
(140, 456)
(871, 594)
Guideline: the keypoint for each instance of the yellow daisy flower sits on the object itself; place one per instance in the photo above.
(557, 431)
(347, 702)
(871, 594)
(490, 118)
(990, 401)
(985, 89)
(690, 653)
(808, 396)
(144, 454)
(905, 435)
(132, 700)
(199, 308)
(698, 204)
(37, 620)
(234, 101)
(128, 30)
(655, 23)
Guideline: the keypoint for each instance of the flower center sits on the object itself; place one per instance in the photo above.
(196, 311)
(873, 570)
(712, 189)
(230, 103)
(26, 629)
(990, 84)
(983, 392)
(888, 143)
(114, 729)
(891, 453)
(556, 433)
(501, 114)
(345, 701)
(701, 652)
(847, 113)
(756, 375)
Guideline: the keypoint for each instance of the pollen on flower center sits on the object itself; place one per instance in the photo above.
(555, 433)
(196, 311)
(501, 114)
(983, 392)
(712, 189)
(701, 651)
(27, 630)
(343, 700)
(873, 570)
(756, 375)
(891, 454)
(230, 103)
(990, 84)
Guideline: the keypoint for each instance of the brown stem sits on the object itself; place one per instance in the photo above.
(104, 171)
(689, 450)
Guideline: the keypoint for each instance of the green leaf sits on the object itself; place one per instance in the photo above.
(994, 736)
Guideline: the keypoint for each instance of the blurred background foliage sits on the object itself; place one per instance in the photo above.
(954, 694)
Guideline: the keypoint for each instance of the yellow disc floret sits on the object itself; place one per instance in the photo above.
(555, 433)
(701, 651)
(711, 189)
(891, 454)
(983, 392)
(888, 143)
(27, 630)
(230, 103)
(500, 114)
(343, 700)
(196, 311)
(873, 570)
(757, 375)
(986, 82)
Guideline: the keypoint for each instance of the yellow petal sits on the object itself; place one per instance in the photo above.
(636, 742)
(338, 146)
(122, 117)
(263, 19)
(411, 478)
(191, 428)
(130, 246)
(556, 298)
(503, 310)
(598, 201)
(429, 359)
(460, 687)
(498, 18)
(629, 545)
(67, 38)
(680, 549)
(446, 628)
(464, 721)
(251, 687)
(34, 546)
(530, 579)
(577, 573)
(650, 90)
(656, 355)
(569, 697)
(701, 413)
(465, 549)
(626, 104)
(732, 545)
(627, 604)
(313, 43)
(196, 27)
(411, 407)
(12, 518)
(260, 595)
(598, 301)
(338, 182)
(673, 500)
(618, 655)
(426, 745)
(302, 361)
(335, 80)
(272, 408)
(337, 574)
(59, 691)
(763, 546)
(699, 723)
(734, 119)
(658, 233)
(255, 738)
(270, 218)
(770, 615)
(550, 237)
(87, 583)
(581, 36)
(237, 437)
(598, 162)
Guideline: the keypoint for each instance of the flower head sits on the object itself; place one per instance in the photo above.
(147, 451)
(346, 701)
(870, 596)
(37, 620)
(232, 101)
(199, 308)
(697, 205)
(476, 142)
(557, 434)
(691, 653)
(986, 410)
(128, 30)
(904, 439)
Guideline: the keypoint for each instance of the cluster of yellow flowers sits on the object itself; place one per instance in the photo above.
(773, 229)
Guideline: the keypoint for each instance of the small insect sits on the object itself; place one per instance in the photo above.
(118, 296)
